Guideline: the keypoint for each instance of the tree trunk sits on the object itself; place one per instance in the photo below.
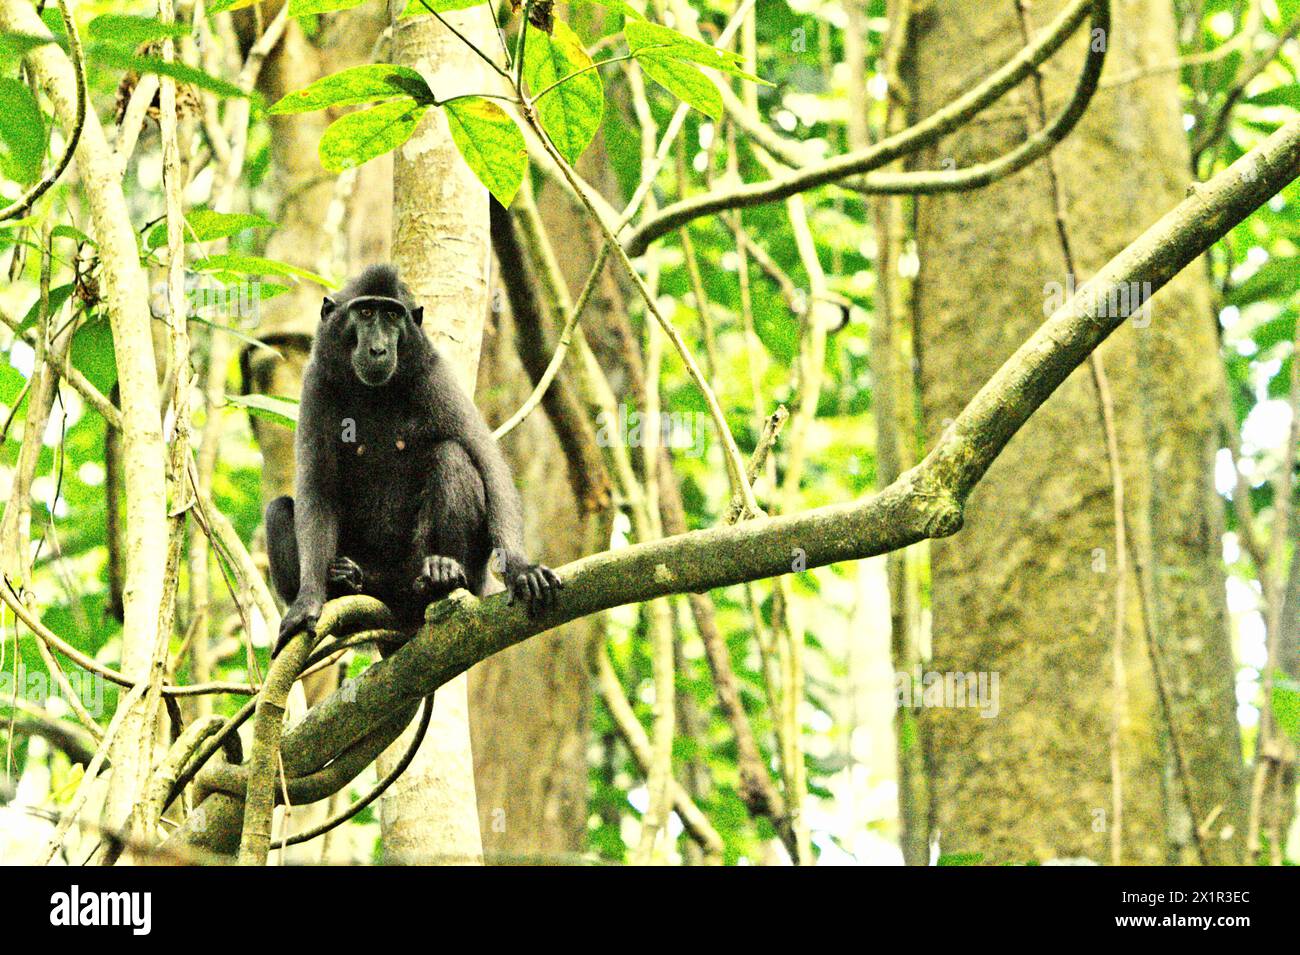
(309, 197)
(442, 249)
(529, 706)
(1027, 589)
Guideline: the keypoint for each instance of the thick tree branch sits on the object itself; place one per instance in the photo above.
(926, 501)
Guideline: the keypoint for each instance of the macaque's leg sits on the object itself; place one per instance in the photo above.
(451, 528)
(282, 548)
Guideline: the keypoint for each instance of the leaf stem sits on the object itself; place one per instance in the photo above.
(586, 69)
(466, 40)
(519, 46)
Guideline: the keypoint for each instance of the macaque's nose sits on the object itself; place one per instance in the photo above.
(378, 351)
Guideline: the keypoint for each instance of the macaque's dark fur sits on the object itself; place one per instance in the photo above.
(406, 524)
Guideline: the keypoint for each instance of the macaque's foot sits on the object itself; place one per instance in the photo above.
(537, 586)
(440, 576)
(347, 574)
(301, 617)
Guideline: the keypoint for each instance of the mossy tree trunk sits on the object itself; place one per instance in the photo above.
(1027, 589)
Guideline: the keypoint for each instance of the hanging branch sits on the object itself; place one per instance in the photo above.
(843, 169)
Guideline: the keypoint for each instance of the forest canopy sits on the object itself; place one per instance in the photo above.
(906, 394)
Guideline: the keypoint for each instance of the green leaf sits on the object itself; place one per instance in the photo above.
(961, 858)
(491, 145)
(643, 37)
(569, 106)
(12, 383)
(280, 410)
(14, 45)
(93, 354)
(256, 265)
(616, 5)
(1288, 95)
(1274, 278)
(1286, 705)
(22, 131)
(131, 30)
(204, 225)
(110, 54)
(306, 8)
(58, 295)
(685, 82)
(360, 84)
(359, 137)
(416, 8)
(65, 231)
(224, 6)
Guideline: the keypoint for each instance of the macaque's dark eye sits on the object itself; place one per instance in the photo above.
(367, 312)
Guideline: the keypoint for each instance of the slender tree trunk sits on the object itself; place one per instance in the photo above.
(126, 303)
(1026, 591)
(309, 199)
(442, 247)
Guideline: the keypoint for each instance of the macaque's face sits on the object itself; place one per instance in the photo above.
(374, 332)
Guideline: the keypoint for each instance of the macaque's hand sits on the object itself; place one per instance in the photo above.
(347, 574)
(536, 585)
(440, 576)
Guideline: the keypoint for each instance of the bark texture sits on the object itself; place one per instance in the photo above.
(442, 248)
(1027, 589)
(530, 706)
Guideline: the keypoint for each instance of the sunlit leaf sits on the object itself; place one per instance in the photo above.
(131, 31)
(58, 295)
(415, 8)
(643, 37)
(685, 82)
(110, 54)
(616, 5)
(491, 145)
(360, 84)
(280, 410)
(256, 265)
(65, 231)
(567, 89)
(22, 131)
(223, 6)
(306, 8)
(11, 384)
(361, 136)
(93, 354)
(14, 45)
(204, 225)
(1286, 705)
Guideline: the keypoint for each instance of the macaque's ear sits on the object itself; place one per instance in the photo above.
(417, 314)
(326, 306)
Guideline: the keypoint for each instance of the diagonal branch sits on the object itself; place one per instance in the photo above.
(925, 501)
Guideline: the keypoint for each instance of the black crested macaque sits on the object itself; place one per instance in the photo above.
(402, 493)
